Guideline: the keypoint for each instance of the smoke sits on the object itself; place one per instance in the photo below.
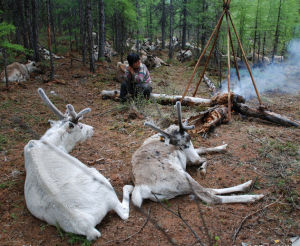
(283, 77)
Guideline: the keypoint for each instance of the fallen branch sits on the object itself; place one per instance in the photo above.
(158, 227)
(127, 238)
(248, 217)
(178, 214)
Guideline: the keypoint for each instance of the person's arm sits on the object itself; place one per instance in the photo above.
(128, 75)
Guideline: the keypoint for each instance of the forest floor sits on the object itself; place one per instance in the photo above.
(257, 150)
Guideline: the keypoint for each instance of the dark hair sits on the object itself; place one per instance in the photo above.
(132, 58)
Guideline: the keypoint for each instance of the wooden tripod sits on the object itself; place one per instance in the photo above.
(215, 32)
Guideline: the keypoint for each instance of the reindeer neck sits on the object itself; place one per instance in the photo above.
(58, 138)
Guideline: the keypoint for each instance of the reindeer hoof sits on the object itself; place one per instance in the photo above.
(93, 235)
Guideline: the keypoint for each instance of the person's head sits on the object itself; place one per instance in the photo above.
(134, 60)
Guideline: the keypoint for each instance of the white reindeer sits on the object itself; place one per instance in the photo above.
(159, 169)
(60, 189)
(19, 72)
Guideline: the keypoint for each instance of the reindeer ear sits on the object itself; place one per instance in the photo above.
(52, 122)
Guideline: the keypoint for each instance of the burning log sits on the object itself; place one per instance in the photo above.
(206, 121)
(222, 99)
(263, 114)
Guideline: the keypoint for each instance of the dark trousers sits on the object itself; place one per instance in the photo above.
(135, 89)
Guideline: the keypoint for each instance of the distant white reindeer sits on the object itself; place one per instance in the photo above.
(159, 169)
(19, 72)
(60, 189)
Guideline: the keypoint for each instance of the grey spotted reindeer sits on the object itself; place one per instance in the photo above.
(159, 169)
(60, 189)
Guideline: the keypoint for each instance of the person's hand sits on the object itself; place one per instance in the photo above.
(130, 69)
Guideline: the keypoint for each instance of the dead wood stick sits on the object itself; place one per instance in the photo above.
(236, 231)
(132, 235)
(157, 226)
(178, 214)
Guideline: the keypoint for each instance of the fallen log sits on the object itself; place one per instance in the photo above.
(263, 114)
(206, 121)
(163, 98)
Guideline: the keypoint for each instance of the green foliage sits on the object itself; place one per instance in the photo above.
(5, 30)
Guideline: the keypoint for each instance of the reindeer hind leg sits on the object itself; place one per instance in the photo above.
(237, 188)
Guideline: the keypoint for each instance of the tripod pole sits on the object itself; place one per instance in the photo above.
(228, 63)
(245, 59)
(208, 58)
(202, 54)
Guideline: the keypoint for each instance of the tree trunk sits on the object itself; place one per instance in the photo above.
(171, 31)
(276, 33)
(35, 32)
(163, 24)
(150, 25)
(255, 32)
(51, 76)
(138, 14)
(22, 23)
(184, 13)
(82, 18)
(101, 30)
(53, 27)
(27, 23)
(263, 48)
(90, 37)
(5, 67)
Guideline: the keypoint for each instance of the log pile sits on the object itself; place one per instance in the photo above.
(206, 121)
(217, 114)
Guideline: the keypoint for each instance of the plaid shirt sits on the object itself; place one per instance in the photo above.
(141, 75)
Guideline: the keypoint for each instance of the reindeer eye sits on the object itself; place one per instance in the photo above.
(71, 125)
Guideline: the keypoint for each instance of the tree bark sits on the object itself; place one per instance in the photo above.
(35, 32)
(51, 76)
(163, 24)
(101, 30)
(276, 33)
(90, 37)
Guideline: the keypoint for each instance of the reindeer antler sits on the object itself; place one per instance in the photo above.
(74, 116)
(182, 127)
(44, 97)
(155, 128)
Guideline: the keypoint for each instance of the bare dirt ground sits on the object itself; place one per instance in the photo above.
(257, 150)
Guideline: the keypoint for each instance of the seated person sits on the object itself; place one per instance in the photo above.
(137, 78)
